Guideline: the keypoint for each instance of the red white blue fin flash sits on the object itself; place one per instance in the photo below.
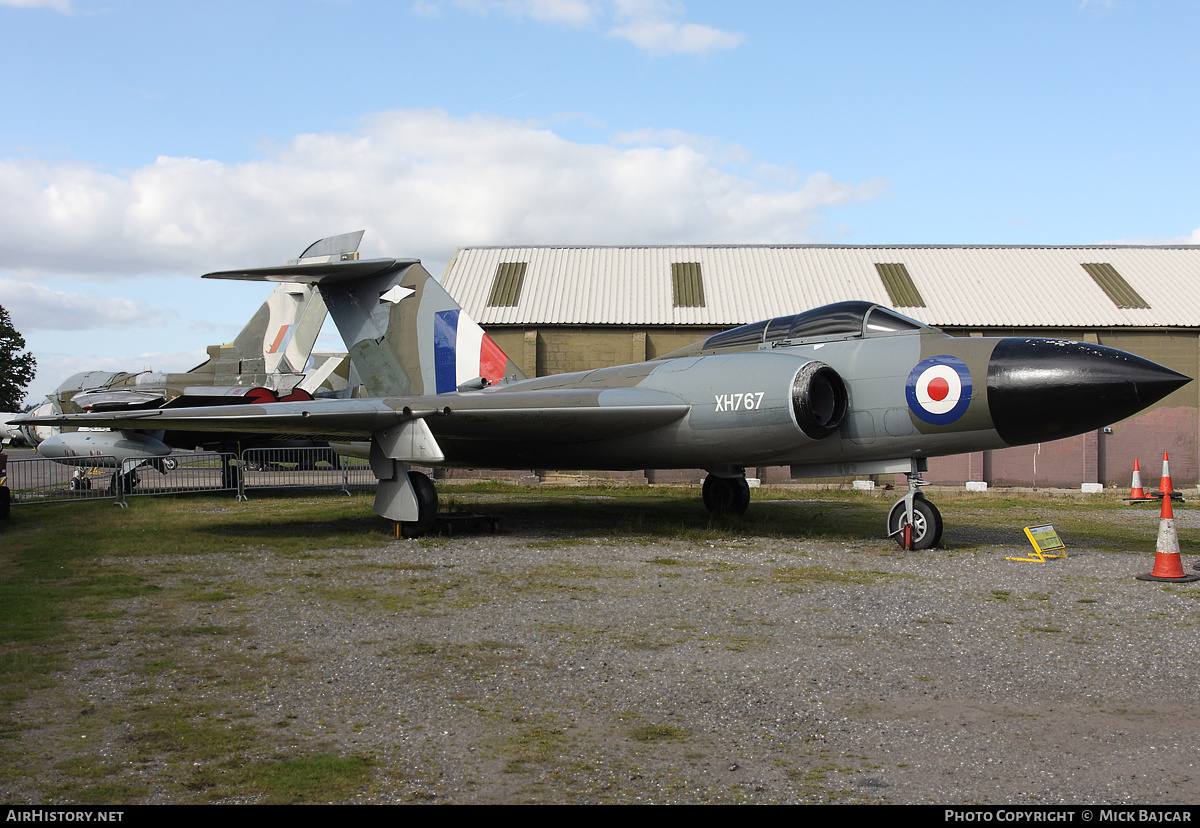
(462, 351)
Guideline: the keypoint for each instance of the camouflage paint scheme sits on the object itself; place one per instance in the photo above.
(265, 362)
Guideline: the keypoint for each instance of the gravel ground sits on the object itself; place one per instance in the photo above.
(531, 667)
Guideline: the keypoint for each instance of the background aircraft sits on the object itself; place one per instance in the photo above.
(846, 389)
(7, 432)
(270, 359)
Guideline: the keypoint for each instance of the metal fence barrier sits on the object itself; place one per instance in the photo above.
(45, 481)
(197, 471)
(40, 480)
(266, 468)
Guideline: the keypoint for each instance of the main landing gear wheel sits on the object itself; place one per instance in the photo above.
(129, 481)
(229, 473)
(726, 495)
(927, 523)
(427, 506)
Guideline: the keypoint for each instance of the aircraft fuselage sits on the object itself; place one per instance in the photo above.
(741, 407)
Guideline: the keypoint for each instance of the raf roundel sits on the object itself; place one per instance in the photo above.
(939, 389)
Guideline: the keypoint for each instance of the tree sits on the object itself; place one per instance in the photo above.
(16, 368)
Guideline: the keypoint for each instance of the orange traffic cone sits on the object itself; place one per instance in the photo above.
(1165, 489)
(1136, 493)
(1167, 563)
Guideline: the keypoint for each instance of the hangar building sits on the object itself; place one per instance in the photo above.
(557, 309)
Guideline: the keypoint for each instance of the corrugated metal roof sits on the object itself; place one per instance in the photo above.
(963, 286)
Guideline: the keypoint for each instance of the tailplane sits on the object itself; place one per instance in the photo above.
(406, 335)
(280, 336)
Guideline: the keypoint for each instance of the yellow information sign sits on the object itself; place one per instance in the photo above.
(1045, 543)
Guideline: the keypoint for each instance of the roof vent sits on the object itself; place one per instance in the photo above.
(687, 285)
(902, 291)
(506, 288)
(1112, 283)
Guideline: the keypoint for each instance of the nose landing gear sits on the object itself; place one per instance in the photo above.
(915, 511)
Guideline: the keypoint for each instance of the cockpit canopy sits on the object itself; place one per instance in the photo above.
(85, 380)
(841, 320)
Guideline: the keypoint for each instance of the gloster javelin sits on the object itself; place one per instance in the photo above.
(850, 388)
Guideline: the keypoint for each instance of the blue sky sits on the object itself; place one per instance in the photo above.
(145, 143)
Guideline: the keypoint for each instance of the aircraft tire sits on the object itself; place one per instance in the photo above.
(937, 524)
(741, 499)
(726, 495)
(127, 481)
(130, 481)
(927, 524)
(229, 475)
(427, 506)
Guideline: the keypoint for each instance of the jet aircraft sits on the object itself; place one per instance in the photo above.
(270, 359)
(7, 432)
(846, 389)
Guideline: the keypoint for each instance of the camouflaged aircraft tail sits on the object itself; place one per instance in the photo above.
(406, 335)
(280, 336)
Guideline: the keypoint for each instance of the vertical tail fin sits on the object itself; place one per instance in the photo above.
(281, 334)
(406, 335)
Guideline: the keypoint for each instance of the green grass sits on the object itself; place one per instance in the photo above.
(829, 575)
(76, 579)
(64, 560)
(63, 567)
(658, 733)
(310, 779)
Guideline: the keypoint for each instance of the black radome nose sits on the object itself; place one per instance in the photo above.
(1046, 389)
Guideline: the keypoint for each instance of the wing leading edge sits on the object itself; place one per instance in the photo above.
(558, 415)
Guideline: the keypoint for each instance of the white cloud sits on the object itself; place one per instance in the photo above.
(571, 12)
(63, 6)
(656, 26)
(660, 37)
(36, 307)
(426, 8)
(54, 368)
(421, 182)
(713, 148)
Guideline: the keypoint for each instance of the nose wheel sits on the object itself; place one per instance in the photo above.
(926, 522)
